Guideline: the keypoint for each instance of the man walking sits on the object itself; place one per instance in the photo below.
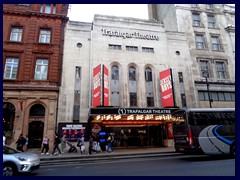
(56, 145)
(90, 149)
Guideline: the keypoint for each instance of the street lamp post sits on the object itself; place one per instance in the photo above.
(209, 98)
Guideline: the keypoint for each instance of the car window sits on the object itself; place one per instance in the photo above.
(8, 150)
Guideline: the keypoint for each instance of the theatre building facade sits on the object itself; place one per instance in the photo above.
(112, 81)
(125, 76)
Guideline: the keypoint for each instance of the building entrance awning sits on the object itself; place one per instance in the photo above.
(130, 116)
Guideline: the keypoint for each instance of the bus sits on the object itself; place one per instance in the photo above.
(204, 131)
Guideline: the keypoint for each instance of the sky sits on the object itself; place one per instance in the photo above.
(85, 12)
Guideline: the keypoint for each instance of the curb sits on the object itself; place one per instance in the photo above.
(104, 156)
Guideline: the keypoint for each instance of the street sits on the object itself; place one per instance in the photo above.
(182, 165)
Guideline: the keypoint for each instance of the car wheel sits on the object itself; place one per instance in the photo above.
(9, 170)
(233, 151)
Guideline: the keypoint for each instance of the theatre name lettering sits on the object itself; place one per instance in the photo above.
(124, 35)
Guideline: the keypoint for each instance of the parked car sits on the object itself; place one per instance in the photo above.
(15, 161)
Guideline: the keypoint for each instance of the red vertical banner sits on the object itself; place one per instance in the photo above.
(106, 86)
(166, 86)
(96, 87)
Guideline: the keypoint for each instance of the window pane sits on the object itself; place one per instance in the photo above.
(227, 96)
(220, 68)
(204, 68)
(221, 96)
(45, 36)
(132, 74)
(16, 34)
(200, 44)
(41, 69)
(233, 96)
(201, 96)
(115, 73)
(150, 102)
(133, 99)
(214, 96)
(11, 68)
(215, 43)
(148, 75)
(48, 8)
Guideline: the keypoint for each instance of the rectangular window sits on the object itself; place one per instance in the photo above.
(115, 47)
(200, 43)
(209, 6)
(216, 96)
(211, 22)
(204, 69)
(133, 99)
(77, 87)
(216, 46)
(220, 69)
(131, 48)
(150, 102)
(11, 68)
(180, 76)
(41, 69)
(196, 20)
(48, 8)
(45, 36)
(148, 49)
(16, 34)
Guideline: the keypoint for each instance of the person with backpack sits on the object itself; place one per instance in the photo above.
(20, 143)
(57, 141)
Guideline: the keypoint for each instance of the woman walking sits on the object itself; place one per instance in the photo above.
(45, 145)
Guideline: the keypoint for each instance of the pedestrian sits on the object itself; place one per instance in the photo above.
(4, 139)
(90, 148)
(45, 145)
(20, 143)
(56, 143)
(26, 143)
(63, 143)
(80, 144)
(110, 140)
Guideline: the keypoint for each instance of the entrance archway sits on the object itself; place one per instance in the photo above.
(8, 119)
(35, 133)
(36, 126)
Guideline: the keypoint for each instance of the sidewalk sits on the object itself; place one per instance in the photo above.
(117, 152)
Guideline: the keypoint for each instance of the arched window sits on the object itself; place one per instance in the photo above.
(148, 74)
(115, 73)
(132, 73)
(37, 110)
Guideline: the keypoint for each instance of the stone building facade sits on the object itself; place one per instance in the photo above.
(210, 32)
(33, 37)
(123, 45)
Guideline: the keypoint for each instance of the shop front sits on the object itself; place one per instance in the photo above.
(133, 127)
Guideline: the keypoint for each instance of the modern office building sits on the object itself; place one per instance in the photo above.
(33, 37)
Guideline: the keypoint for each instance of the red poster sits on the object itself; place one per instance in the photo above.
(166, 87)
(96, 89)
(106, 86)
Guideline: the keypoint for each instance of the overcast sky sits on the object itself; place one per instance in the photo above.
(85, 12)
